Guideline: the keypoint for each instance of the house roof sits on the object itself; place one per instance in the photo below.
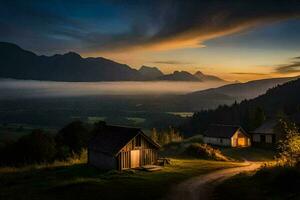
(266, 128)
(223, 131)
(111, 139)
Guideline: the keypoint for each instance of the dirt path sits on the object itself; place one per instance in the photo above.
(201, 187)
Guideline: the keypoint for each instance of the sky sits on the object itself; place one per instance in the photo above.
(236, 40)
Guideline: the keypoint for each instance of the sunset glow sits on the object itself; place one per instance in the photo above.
(172, 37)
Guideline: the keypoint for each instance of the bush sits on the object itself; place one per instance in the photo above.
(204, 151)
(289, 145)
(166, 137)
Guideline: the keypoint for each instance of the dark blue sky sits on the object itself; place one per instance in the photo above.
(148, 32)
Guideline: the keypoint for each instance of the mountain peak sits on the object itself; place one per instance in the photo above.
(205, 77)
(198, 73)
(150, 72)
(72, 54)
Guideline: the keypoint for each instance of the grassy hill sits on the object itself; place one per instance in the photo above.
(79, 181)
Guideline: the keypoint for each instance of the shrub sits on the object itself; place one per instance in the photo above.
(204, 151)
(289, 145)
(166, 137)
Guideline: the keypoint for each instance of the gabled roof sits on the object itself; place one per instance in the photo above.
(223, 131)
(111, 139)
(266, 128)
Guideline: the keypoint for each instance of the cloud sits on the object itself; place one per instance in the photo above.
(163, 25)
(293, 67)
(248, 73)
(171, 62)
(187, 24)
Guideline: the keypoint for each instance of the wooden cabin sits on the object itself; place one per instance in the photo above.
(265, 134)
(226, 135)
(116, 147)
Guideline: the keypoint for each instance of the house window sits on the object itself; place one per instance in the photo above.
(138, 141)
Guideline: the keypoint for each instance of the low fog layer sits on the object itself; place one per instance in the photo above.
(24, 88)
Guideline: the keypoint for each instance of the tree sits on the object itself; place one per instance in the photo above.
(75, 136)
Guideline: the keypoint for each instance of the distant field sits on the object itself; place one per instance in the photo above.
(137, 120)
(95, 119)
(182, 114)
(78, 181)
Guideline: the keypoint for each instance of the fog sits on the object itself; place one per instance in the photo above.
(10, 88)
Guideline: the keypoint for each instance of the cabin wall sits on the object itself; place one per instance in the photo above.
(264, 138)
(101, 160)
(239, 139)
(148, 153)
(217, 141)
(256, 137)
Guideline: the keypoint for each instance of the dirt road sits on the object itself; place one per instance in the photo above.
(201, 187)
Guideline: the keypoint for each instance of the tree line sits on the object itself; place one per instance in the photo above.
(283, 100)
(42, 147)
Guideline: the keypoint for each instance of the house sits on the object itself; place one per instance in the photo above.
(226, 135)
(265, 134)
(116, 147)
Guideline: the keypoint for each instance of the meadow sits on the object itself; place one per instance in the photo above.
(76, 180)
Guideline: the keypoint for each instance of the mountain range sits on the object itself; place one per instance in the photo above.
(18, 63)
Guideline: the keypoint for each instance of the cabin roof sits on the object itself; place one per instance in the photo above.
(223, 131)
(266, 128)
(111, 139)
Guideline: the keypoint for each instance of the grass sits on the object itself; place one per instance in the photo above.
(269, 183)
(249, 153)
(79, 181)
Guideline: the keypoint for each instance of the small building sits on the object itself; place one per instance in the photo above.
(265, 134)
(116, 147)
(226, 135)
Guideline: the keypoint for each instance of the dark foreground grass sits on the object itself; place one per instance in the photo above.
(79, 181)
(249, 153)
(273, 183)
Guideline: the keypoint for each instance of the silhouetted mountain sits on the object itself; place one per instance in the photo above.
(186, 76)
(179, 76)
(205, 77)
(240, 91)
(150, 72)
(251, 113)
(21, 64)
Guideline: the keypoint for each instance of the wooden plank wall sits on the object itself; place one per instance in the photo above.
(148, 154)
(149, 157)
(124, 160)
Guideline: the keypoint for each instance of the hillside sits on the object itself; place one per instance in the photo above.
(281, 99)
(241, 91)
